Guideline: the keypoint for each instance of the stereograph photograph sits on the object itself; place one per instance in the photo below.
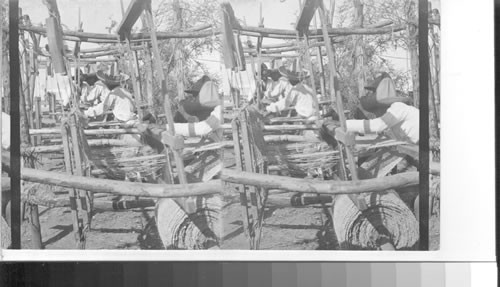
(221, 125)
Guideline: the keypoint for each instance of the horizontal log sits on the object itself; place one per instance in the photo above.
(245, 30)
(92, 143)
(294, 43)
(279, 127)
(97, 205)
(120, 187)
(112, 38)
(331, 31)
(322, 187)
(47, 131)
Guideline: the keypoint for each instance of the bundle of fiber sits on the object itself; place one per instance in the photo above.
(196, 224)
(5, 233)
(302, 158)
(386, 218)
(132, 162)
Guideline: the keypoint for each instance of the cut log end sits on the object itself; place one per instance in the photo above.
(200, 229)
(387, 219)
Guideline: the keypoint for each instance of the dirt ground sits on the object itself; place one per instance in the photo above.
(284, 228)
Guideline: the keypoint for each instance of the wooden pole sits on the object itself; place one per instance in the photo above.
(359, 60)
(135, 81)
(68, 162)
(245, 31)
(121, 188)
(321, 67)
(319, 186)
(313, 84)
(167, 105)
(147, 71)
(412, 39)
(38, 116)
(335, 96)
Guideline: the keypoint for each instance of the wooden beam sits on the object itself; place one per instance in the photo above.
(318, 186)
(120, 187)
(306, 14)
(245, 31)
(133, 13)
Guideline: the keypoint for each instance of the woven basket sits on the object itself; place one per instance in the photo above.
(133, 163)
(303, 158)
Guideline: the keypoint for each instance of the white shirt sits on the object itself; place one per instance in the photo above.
(279, 89)
(401, 122)
(97, 94)
(200, 128)
(119, 101)
(300, 97)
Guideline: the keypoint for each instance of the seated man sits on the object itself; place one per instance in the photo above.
(204, 97)
(280, 85)
(293, 94)
(205, 105)
(111, 96)
(395, 116)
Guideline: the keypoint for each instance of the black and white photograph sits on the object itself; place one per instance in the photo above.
(222, 125)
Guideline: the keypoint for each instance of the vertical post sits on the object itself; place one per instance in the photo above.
(320, 63)
(38, 119)
(135, 80)
(358, 49)
(68, 162)
(340, 106)
(413, 41)
(313, 84)
(179, 163)
(148, 71)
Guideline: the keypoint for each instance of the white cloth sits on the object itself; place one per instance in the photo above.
(200, 128)
(96, 94)
(119, 101)
(279, 89)
(401, 122)
(59, 85)
(5, 131)
(300, 97)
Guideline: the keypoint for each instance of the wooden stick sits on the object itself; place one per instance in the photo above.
(318, 186)
(120, 187)
(245, 31)
(167, 105)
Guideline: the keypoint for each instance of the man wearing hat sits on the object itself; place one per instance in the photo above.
(281, 86)
(204, 106)
(109, 95)
(292, 93)
(394, 114)
(204, 97)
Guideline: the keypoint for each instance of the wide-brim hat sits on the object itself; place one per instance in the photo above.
(372, 85)
(196, 87)
(111, 81)
(384, 94)
(292, 76)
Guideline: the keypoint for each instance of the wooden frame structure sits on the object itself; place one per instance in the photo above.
(249, 177)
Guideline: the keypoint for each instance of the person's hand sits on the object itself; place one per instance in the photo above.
(327, 132)
(142, 127)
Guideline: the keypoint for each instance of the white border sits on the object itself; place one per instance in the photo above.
(467, 160)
